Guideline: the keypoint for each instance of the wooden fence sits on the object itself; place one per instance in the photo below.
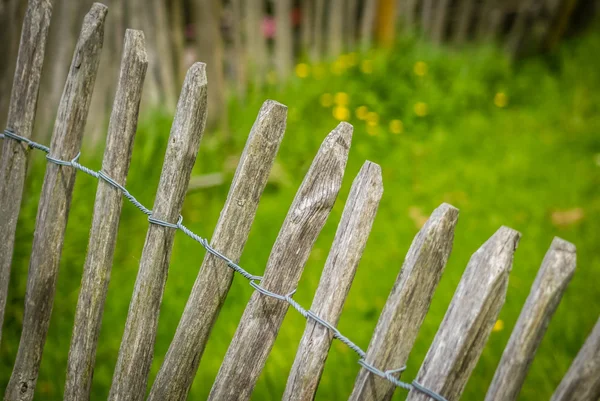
(457, 344)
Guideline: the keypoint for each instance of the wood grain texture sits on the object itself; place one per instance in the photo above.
(582, 381)
(105, 224)
(137, 346)
(214, 279)
(13, 159)
(263, 316)
(549, 285)
(345, 254)
(408, 303)
(55, 201)
(469, 320)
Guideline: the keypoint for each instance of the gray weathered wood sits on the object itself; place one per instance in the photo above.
(465, 20)
(427, 13)
(137, 346)
(105, 224)
(549, 285)
(283, 39)
(350, 24)
(307, 24)
(55, 200)
(439, 23)
(336, 279)
(257, 46)
(582, 381)
(408, 303)
(367, 23)
(318, 33)
(469, 320)
(21, 114)
(214, 279)
(263, 316)
(335, 27)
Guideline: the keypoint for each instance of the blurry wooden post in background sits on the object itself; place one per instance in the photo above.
(347, 249)
(53, 209)
(473, 312)
(257, 47)
(386, 20)
(335, 27)
(551, 281)
(367, 21)
(582, 381)
(21, 115)
(107, 212)
(283, 39)
(137, 347)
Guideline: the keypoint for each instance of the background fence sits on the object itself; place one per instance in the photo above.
(251, 43)
(451, 358)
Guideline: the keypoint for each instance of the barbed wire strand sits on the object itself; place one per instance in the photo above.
(252, 279)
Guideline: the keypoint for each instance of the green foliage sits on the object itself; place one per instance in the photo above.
(507, 145)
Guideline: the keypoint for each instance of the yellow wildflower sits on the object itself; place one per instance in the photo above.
(341, 113)
(302, 70)
(366, 66)
(498, 326)
(396, 127)
(420, 69)
(341, 99)
(372, 118)
(361, 112)
(421, 109)
(500, 100)
(326, 100)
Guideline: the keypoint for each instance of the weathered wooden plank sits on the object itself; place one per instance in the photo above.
(427, 12)
(335, 27)
(263, 316)
(283, 40)
(472, 313)
(549, 285)
(345, 254)
(55, 201)
(137, 346)
(21, 114)
(440, 21)
(214, 279)
(367, 23)
(465, 20)
(408, 303)
(582, 381)
(105, 224)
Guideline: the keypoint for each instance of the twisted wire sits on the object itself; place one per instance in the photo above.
(253, 280)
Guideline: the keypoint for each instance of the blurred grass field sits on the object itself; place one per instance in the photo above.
(514, 145)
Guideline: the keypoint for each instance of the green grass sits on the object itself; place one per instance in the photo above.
(516, 165)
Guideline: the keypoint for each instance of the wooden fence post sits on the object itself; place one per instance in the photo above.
(263, 316)
(582, 381)
(336, 279)
(137, 346)
(105, 224)
(551, 281)
(407, 304)
(55, 201)
(214, 278)
(335, 27)
(465, 20)
(21, 114)
(283, 39)
(440, 21)
(472, 313)
(367, 22)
